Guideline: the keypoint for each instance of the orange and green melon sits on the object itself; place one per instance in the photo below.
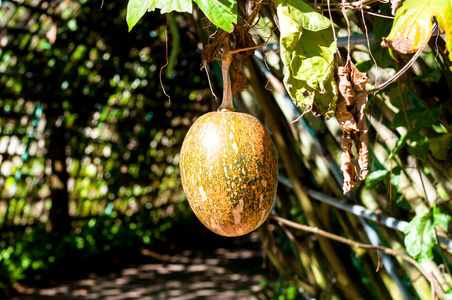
(229, 172)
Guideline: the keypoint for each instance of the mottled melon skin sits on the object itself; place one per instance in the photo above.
(229, 172)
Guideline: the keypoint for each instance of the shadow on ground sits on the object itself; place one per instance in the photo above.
(220, 268)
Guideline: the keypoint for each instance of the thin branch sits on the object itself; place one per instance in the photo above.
(360, 211)
(378, 15)
(230, 52)
(274, 16)
(399, 73)
(204, 67)
(368, 45)
(358, 245)
(403, 70)
(349, 5)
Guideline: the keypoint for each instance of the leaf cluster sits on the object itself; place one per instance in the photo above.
(222, 13)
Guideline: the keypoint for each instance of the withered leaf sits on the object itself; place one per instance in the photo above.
(350, 113)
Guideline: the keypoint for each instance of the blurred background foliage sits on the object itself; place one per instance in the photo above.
(88, 141)
(89, 148)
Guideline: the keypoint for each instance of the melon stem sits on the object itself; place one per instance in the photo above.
(226, 104)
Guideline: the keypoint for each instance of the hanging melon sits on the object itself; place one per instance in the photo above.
(229, 169)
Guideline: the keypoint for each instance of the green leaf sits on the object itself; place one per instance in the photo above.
(222, 13)
(399, 145)
(395, 94)
(374, 178)
(167, 6)
(434, 76)
(420, 237)
(135, 10)
(419, 147)
(421, 233)
(364, 66)
(307, 51)
(299, 15)
(395, 178)
(440, 146)
(412, 26)
(440, 218)
(381, 28)
(418, 118)
(382, 57)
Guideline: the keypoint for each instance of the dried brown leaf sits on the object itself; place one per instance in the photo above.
(211, 51)
(346, 101)
(239, 84)
(350, 113)
(349, 171)
(241, 39)
(361, 146)
(359, 82)
(345, 85)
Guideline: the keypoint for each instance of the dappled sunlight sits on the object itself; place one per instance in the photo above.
(222, 273)
(119, 150)
(88, 142)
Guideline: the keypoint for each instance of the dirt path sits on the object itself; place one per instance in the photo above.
(221, 273)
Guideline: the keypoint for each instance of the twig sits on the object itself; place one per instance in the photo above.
(166, 56)
(360, 211)
(204, 67)
(378, 15)
(368, 45)
(352, 5)
(357, 210)
(399, 73)
(356, 39)
(348, 30)
(404, 69)
(358, 245)
(275, 18)
(245, 49)
(407, 120)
